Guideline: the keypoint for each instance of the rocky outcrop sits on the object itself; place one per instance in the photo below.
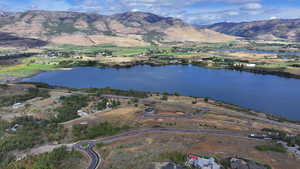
(3, 14)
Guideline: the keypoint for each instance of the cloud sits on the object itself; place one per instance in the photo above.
(273, 17)
(232, 13)
(193, 11)
(253, 6)
(57, 5)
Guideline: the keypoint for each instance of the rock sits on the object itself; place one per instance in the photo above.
(236, 163)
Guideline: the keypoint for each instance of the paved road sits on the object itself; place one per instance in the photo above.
(95, 159)
(87, 147)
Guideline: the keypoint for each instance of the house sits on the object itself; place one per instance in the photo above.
(108, 104)
(16, 105)
(81, 113)
(250, 65)
(244, 64)
(84, 123)
(15, 127)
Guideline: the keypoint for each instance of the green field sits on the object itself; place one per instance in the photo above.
(117, 51)
(23, 70)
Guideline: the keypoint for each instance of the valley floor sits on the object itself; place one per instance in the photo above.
(262, 57)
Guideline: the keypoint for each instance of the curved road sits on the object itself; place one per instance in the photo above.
(95, 159)
(87, 147)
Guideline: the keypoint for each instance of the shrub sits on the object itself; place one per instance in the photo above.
(70, 105)
(134, 100)
(39, 84)
(275, 147)
(56, 159)
(115, 103)
(206, 99)
(101, 129)
(100, 144)
(176, 157)
(176, 94)
(164, 97)
(110, 91)
(102, 104)
(32, 132)
(31, 93)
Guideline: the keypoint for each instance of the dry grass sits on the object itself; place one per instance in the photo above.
(118, 59)
(293, 70)
(83, 40)
(191, 34)
(142, 151)
(123, 115)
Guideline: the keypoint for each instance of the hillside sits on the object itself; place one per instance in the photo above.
(126, 29)
(7, 40)
(268, 30)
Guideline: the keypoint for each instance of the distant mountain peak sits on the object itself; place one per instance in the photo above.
(146, 18)
(267, 29)
(3, 13)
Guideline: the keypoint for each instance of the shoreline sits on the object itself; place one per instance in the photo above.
(19, 79)
(222, 103)
(255, 70)
(213, 101)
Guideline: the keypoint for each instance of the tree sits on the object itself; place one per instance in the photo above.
(206, 99)
(164, 97)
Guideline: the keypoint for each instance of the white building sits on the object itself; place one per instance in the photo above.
(250, 65)
(81, 113)
(17, 105)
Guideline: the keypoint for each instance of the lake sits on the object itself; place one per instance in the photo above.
(265, 93)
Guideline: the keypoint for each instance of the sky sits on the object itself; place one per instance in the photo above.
(200, 12)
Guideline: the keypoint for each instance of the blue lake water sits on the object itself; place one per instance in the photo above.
(265, 93)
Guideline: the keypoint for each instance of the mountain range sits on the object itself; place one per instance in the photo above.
(130, 29)
(125, 29)
(267, 30)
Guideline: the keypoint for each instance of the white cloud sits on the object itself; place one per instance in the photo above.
(135, 10)
(232, 13)
(273, 17)
(253, 6)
